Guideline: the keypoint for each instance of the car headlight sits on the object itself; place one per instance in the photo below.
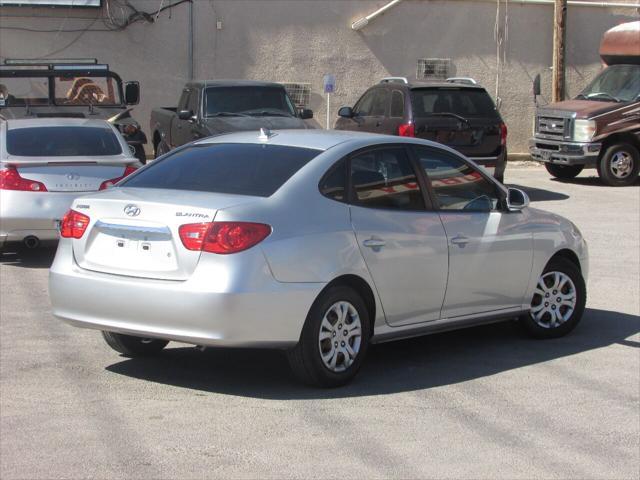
(584, 130)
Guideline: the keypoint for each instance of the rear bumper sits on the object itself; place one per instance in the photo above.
(23, 214)
(213, 307)
(564, 153)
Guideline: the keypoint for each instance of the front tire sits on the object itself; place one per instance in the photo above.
(161, 149)
(558, 301)
(131, 346)
(619, 165)
(563, 172)
(334, 339)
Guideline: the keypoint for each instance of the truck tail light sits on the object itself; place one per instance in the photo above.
(407, 130)
(10, 179)
(503, 134)
(73, 224)
(223, 237)
(110, 183)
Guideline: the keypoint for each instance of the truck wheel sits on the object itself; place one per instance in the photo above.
(619, 165)
(563, 171)
(131, 346)
(161, 149)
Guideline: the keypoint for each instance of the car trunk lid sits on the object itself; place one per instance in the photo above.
(134, 231)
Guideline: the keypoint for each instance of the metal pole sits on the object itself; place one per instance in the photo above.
(559, 35)
(190, 42)
(328, 110)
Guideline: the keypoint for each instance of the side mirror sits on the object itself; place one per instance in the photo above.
(536, 86)
(132, 93)
(345, 112)
(306, 114)
(185, 114)
(516, 200)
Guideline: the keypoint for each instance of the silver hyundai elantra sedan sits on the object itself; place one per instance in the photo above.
(319, 243)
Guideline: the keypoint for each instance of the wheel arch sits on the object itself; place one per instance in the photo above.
(569, 255)
(622, 137)
(362, 287)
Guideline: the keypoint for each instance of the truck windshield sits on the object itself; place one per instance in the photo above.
(247, 101)
(86, 91)
(19, 92)
(619, 83)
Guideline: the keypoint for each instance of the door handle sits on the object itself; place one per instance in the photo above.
(374, 243)
(460, 240)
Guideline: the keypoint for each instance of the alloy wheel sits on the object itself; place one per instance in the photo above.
(554, 300)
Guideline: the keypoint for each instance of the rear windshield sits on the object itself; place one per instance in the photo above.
(466, 102)
(241, 169)
(62, 142)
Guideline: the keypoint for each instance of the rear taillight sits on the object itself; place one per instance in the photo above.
(110, 183)
(503, 134)
(407, 130)
(223, 237)
(73, 224)
(10, 179)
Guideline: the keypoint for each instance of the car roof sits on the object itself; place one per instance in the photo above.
(314, 139)
(233, 83)
(445, 85)
(56, 122)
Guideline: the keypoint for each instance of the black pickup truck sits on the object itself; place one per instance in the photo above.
(214, 107)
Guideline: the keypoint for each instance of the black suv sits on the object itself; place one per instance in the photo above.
(457, 113)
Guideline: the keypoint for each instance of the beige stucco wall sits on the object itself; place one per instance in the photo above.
(301, 40)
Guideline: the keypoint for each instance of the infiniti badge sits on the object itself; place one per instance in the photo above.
(73, 176)
(132, 210)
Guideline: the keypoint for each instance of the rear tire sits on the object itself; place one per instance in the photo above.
(131, 346)
(558, 302)
(619, 165)
(563, 172)
(334, 339)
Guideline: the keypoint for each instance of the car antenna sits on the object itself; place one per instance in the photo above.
(265, 134)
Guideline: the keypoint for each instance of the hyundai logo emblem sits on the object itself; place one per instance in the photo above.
(73, 176)
(132, 210)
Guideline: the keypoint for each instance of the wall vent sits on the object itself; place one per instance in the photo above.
(298, 92)
(433, 68)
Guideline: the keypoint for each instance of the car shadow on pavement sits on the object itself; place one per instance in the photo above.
(21, 257)
(540, 194)
(408, 365)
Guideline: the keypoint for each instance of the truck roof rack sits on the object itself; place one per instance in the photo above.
(462, 80)
(395, 80)
(23, 62)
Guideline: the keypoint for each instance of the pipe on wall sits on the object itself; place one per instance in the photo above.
(364, 21)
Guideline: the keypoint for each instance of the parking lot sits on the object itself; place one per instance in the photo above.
(484, 402)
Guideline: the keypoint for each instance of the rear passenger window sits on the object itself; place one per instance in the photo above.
(380, 103)
(384, 178)
(333, 184)
(397, 104)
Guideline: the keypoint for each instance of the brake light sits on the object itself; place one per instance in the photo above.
(110, 183)
(407, 130)
(10, 179)
(223, 237)
(503, 134)
(73, 224)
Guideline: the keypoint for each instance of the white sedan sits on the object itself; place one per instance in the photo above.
(316, 242)
(45, 163)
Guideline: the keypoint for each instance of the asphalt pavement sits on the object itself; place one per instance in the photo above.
(479, 403)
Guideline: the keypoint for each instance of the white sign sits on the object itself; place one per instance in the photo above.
(329, 83)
